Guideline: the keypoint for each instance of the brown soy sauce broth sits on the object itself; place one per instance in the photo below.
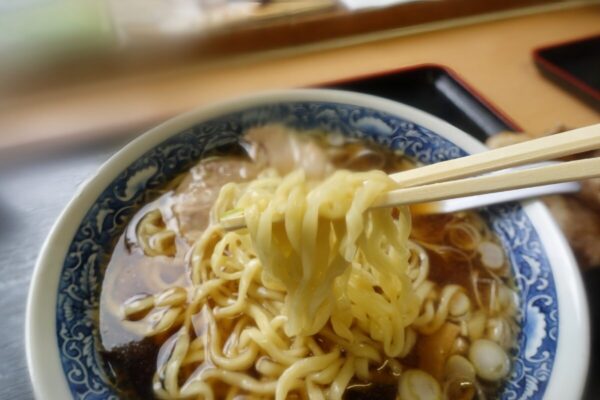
(132, 358)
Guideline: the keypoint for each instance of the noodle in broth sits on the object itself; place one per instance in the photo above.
(318, 298)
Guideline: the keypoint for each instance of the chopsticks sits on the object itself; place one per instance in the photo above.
(541, 149)
(563, 172)
(440, 181)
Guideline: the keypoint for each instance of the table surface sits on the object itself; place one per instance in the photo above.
(34, 189)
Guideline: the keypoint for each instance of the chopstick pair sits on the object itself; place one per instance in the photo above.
(453, 178)
(439, 181)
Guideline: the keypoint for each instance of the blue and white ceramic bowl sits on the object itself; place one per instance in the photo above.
(62, 330)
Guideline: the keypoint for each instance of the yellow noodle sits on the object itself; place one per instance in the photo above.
(316, 235)
(301, 369)
(340, 382)
(268, 368)
(197, 383)
(313, 391)
(328, 374)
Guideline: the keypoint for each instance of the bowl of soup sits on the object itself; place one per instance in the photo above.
(141, 292)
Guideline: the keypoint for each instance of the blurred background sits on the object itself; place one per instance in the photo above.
(80, 69)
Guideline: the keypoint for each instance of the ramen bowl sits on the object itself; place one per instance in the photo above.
(62, 334)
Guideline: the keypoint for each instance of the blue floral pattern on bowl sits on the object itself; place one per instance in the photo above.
(91, 247)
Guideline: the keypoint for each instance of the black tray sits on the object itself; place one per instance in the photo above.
(441, 92)
(574, 65)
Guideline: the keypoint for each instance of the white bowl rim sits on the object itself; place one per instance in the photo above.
(569, 370)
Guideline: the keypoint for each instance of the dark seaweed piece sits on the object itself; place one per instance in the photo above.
(132, 367)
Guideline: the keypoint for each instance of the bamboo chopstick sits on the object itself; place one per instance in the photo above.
(544, 148)
(563, 172)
